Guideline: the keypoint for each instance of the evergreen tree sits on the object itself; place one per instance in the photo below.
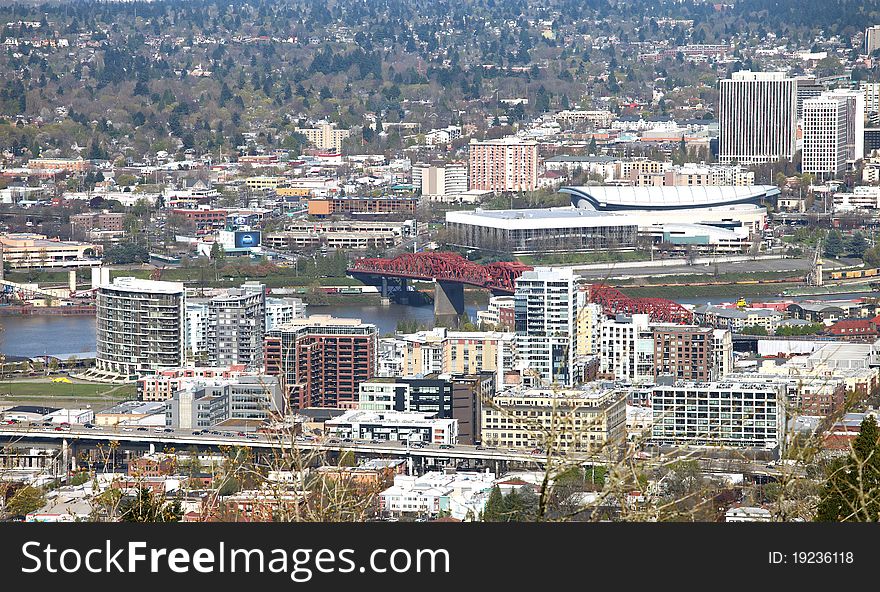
(494, 509)
(852, 490)
(834, 244)
(856, 245)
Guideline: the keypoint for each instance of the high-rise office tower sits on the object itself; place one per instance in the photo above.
(833, 132)
(757, 116)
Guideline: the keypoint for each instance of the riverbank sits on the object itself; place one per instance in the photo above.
(13, 310)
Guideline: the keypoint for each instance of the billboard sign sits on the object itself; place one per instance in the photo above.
(247, 239)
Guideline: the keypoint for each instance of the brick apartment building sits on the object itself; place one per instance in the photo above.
(389, 204)
(322, 360)
(205, 220)
(506, 164)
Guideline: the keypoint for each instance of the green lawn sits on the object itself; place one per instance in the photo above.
(51, 390)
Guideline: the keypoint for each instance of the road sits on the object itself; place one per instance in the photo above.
(782, 266)
(183, 438)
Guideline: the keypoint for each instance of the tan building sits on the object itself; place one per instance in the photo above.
(458, 352)
(589, 329)
(29, 251)
(586, 419)
(325, 136)
(261, 183)
(77, 165)
(506, 164)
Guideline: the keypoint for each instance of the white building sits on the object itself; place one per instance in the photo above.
(462, 495)
(325, 136)
(833, 132)
(441, 182)
(757, 117)
(493, 313)
(393, 426)
(546, 303)
(626, 348)
(748, 514)
(140, 327)
(872, 39)
(729, 414)
(196, 329)
(280, 311)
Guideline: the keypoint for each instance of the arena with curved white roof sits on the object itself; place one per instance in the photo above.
(611, 198)
(704, 218)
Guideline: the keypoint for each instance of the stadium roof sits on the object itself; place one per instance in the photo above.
(610, 198)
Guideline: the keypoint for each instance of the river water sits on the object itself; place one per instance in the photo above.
(40, 335)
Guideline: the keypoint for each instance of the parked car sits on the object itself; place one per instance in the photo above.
(446, 446)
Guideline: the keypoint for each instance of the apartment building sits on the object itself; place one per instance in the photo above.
(95, 224)
(546, 302)
(325, 136)
(686, 352)
(236, 327)
(626, 348)
(75, 165)
(389, 204)
(140, 327)
(321, 360)
(587, 419)
(506, 164)
(163, 384)
(439, 182)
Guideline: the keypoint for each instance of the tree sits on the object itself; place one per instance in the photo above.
(26, 500)
(856, 245)
(754, 330)
(852, 488)
(493, 510)
(149, 507)
(217, 252)
(834, 245)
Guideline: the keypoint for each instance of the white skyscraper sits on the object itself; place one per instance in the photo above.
(757, 117)
(833, 132)
(545, 316)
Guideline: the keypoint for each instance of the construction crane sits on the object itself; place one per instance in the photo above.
(814, 276)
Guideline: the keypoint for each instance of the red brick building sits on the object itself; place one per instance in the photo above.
(205, 220)
(322, 360)
(856, 329)
(685, 353)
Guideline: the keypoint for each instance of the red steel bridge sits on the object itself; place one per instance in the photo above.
(660, 310)
(451, 269)
(446, 267)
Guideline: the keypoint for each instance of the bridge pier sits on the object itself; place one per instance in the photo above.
(448, 302)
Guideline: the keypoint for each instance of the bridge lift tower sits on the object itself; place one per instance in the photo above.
(814, 277)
